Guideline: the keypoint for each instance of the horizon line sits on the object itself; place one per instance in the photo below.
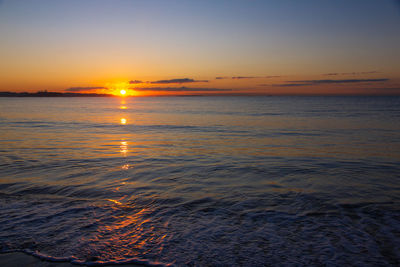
(71, 94)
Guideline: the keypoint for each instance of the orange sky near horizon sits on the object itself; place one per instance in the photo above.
(370, 83)
(207, 48)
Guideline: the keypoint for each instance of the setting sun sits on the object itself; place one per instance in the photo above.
(122, 92)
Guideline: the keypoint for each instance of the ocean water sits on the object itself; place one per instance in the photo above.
(202, 181)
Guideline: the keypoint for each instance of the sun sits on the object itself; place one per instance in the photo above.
(122, 92)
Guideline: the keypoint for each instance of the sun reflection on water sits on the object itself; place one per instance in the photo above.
(124, 147)
(114, 201)
(123, 144)
(125, 166)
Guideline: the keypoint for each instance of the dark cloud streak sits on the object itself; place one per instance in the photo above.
(247, 77)
(135, 82)
(243, 77)
(183, 80)
(350, 73)
(340, 81)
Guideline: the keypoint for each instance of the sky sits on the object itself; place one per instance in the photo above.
(202, 47)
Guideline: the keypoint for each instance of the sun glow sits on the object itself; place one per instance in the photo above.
(122, 92)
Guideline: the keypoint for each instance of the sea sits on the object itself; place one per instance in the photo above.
(202, 181)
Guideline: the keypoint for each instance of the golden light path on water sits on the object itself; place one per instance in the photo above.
(123, 143)
(112, 238)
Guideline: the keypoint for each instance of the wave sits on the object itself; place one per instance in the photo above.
(93, 262)
(290, 228)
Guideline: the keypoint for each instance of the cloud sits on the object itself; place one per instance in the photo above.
(272, 76)
(180, 89)
(78, 89)
(247, 77)
(340, 81)
(350, 73)
(316, 82)
(183, 80)
(135, 82)
(244, 77)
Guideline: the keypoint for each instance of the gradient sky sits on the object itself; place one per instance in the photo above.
(181, 47)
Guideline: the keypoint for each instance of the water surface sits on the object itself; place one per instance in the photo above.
(202, 181)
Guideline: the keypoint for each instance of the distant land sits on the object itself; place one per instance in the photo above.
(51, 94)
